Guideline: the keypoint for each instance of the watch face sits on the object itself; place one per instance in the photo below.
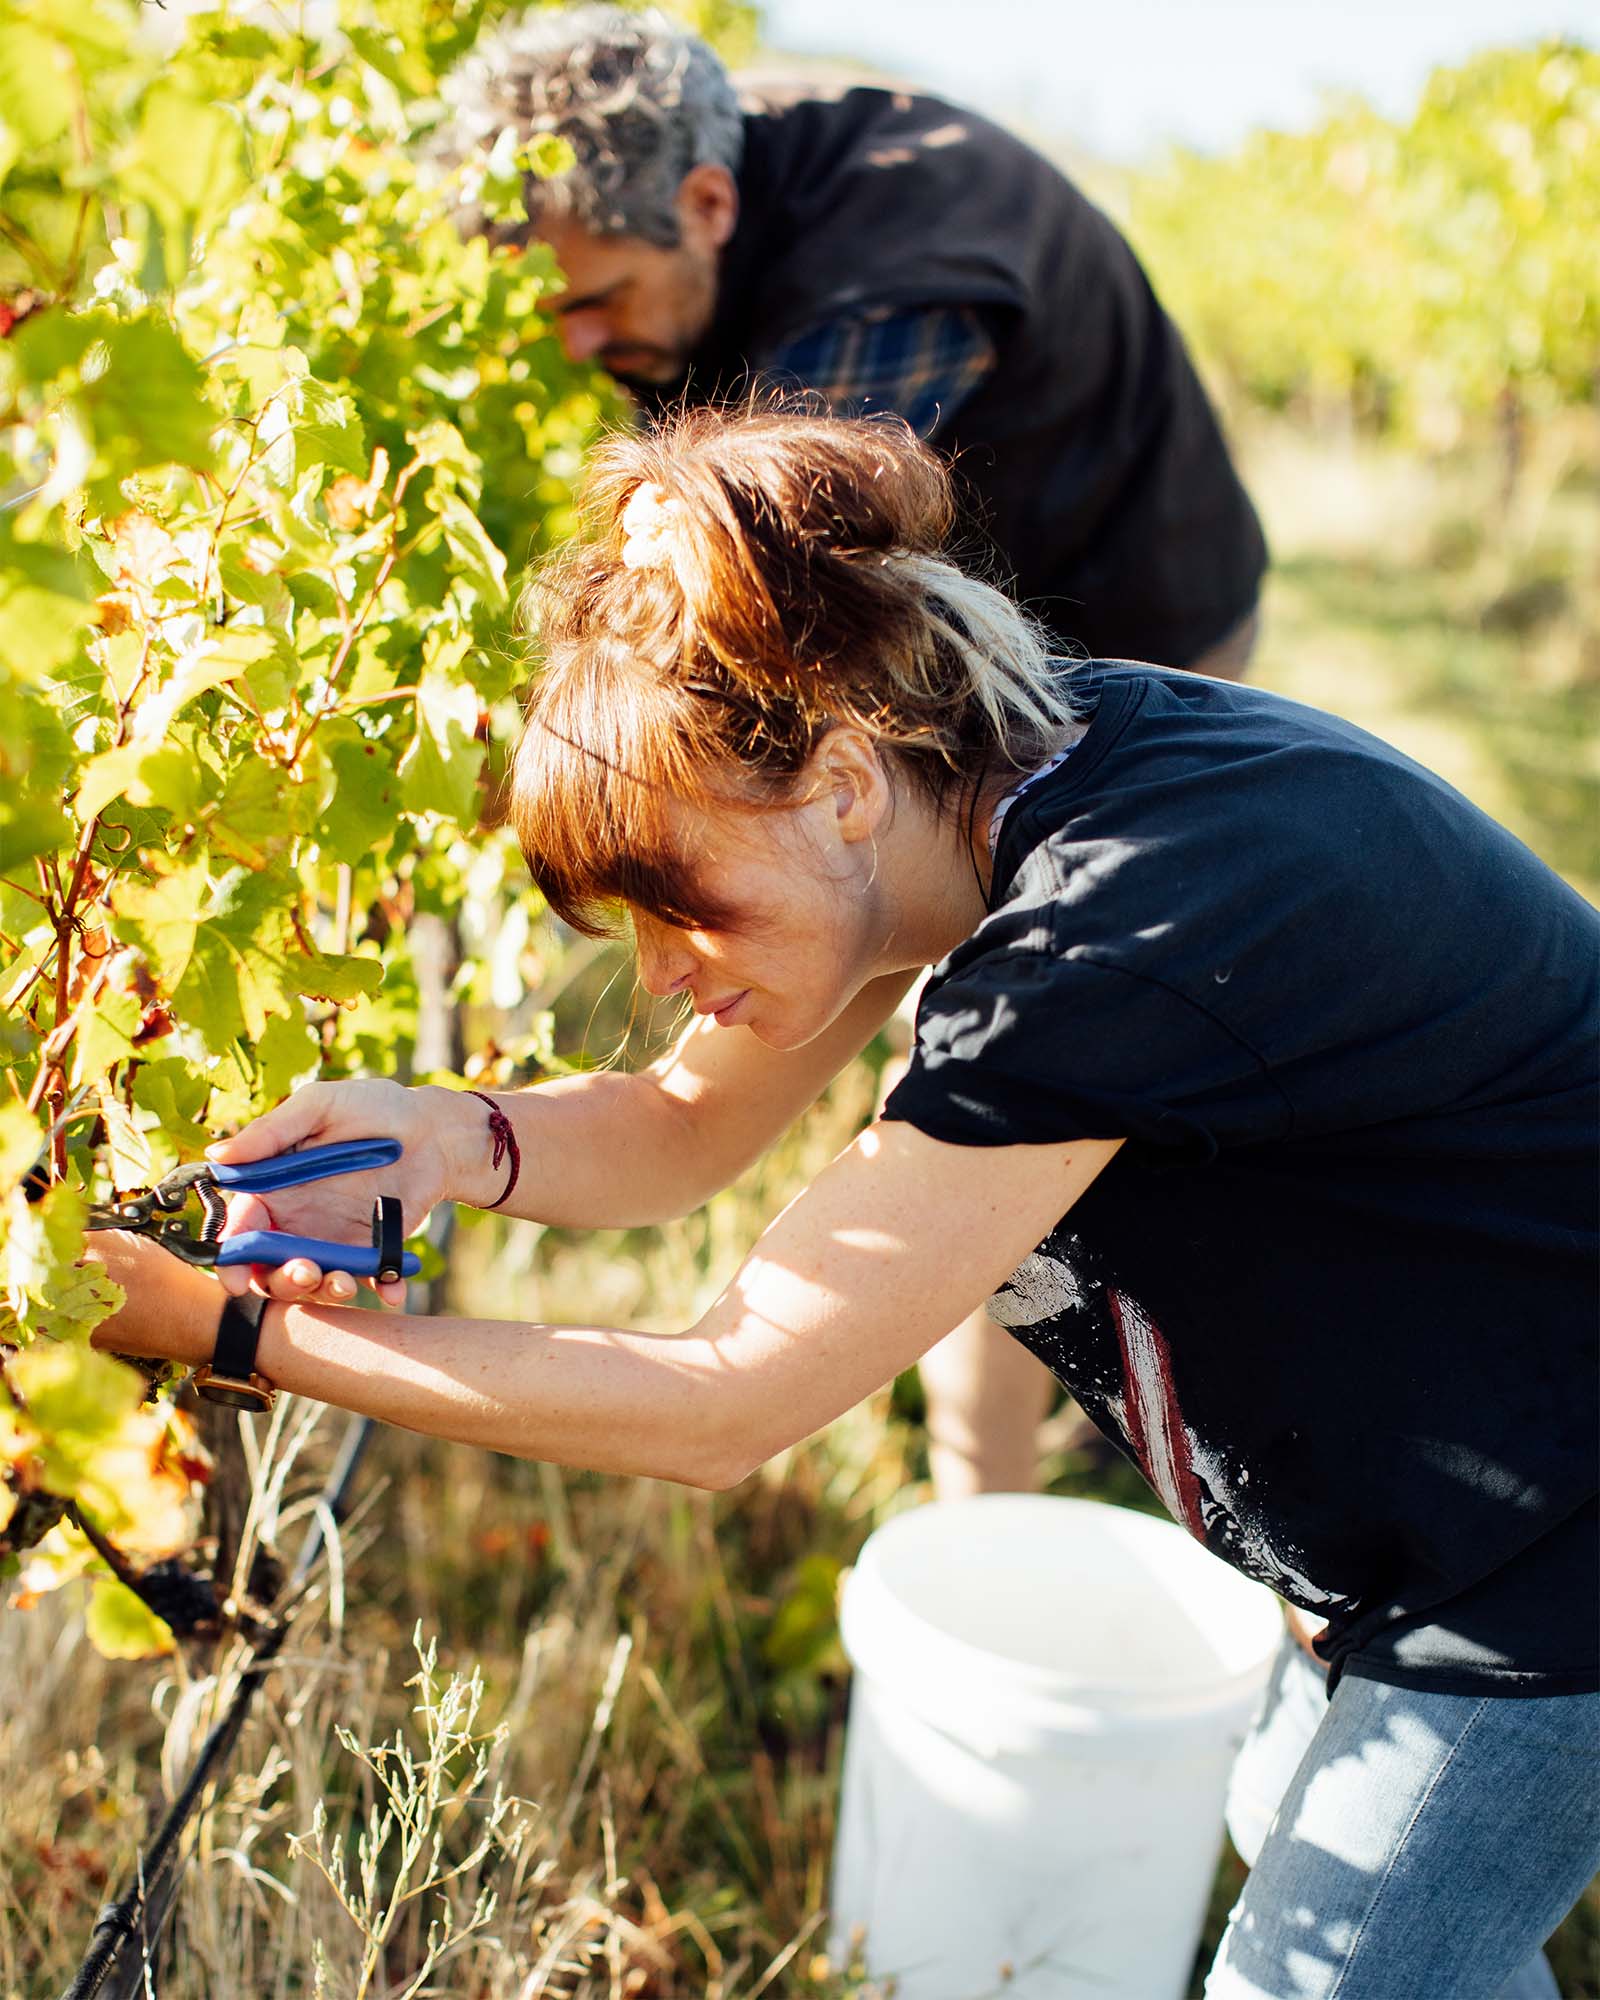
(235, 1394)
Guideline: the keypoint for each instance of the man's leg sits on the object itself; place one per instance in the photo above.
(1423, 1844)
(987, 1396)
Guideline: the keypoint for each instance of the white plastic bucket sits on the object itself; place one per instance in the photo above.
(1048, 1695)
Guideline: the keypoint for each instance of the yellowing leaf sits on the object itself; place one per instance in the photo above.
(59, 1556)
(210, 665)
(121, 1626)
(259, 813)
(47, 1287)
(109, 1022)
(177, 1097)
(476, 557)
(142, 1482)
(338, 977)
(439, 773)
(326, 430)
(45, 605)
(186, 161)
(36, 97)
(43, 1240)
(72, 1390)
(288, 1054)
(21, 1141)
(127, 1147)
(146, 774)
(76, 1303)
(440, 443)
(143, 551)
(107, 777)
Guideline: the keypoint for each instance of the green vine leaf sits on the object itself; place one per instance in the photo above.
(278, 433)
(159, 912)
(439, 773)
(186, 162)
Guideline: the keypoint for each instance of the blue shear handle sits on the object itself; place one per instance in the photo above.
(276, 1246)
(316, 1163)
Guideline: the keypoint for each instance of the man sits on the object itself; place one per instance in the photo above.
(893, 253)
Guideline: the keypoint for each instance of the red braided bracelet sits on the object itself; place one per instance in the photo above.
(505, 1141)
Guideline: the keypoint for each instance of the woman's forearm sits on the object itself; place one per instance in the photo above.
(891, 1245)
(882, 1254)
(611, 1150)
(591, 1397)
(669, 1407)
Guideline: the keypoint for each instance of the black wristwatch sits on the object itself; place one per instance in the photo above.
(230, 1375)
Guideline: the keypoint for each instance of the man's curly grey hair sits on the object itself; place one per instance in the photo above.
(640, 102)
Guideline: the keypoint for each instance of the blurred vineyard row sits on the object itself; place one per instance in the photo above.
(1420, 277)
(1401, 320)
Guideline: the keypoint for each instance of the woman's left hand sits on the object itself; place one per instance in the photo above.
(172, 1310)
(299, 1281)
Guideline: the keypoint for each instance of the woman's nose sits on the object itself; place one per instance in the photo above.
(665, 964)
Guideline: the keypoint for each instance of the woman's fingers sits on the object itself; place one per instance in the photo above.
(245, 1211)
(300, 1282)
(338, 1209)
(235, 1279)
(298, 1119)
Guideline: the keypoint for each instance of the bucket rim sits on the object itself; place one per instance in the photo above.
(869, 1605)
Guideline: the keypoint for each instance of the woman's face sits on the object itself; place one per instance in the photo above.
(807, 925)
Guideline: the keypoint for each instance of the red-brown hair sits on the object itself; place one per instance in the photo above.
(789, 579)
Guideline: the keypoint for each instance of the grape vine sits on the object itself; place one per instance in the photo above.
(274, 438)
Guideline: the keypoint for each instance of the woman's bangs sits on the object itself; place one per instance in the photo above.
(600, 840)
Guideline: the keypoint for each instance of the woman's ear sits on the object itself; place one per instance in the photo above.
(848, 773)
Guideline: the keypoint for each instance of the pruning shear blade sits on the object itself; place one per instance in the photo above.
(157, 1212)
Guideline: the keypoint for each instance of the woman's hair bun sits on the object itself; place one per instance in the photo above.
(775, 528)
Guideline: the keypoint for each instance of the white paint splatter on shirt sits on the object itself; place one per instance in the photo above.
(1038, 1289)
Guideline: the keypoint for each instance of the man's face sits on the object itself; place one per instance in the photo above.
(637, 310)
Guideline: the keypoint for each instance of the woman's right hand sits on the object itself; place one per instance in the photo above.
(426, 1121)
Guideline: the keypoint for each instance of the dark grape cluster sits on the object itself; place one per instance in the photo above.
(36, 1514)
(182, 1598)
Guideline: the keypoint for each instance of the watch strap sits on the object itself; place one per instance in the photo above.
(238, 1336)
(230, 1376)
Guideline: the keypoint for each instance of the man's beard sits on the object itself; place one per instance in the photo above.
(674, 367)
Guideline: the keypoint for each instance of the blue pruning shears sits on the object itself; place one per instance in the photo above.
(158, 1213)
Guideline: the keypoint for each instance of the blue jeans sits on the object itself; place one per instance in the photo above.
(1406, 1846)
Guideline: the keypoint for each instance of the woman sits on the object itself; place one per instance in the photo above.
(1253, 1084)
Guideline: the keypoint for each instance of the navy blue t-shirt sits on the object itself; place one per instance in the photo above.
(1337, 1295)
